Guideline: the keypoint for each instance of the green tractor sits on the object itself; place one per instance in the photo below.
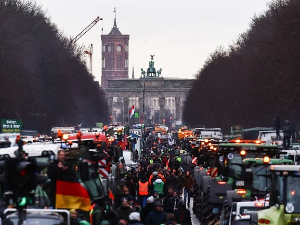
(207, 159)
(215, 187)
(284, 197)
(252, 183)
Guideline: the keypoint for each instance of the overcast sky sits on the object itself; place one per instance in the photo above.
(181, 34)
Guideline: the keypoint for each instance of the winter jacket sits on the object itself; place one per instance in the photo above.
(124, 211)
(165, 202)
(156, 218)
(173, 182)
(287, 129)
(183, 216)
(146, 211)
(172, 204)
(159, 186)
(96, 217)
(188, 182)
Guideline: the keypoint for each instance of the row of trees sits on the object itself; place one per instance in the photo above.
(43, 78)
(256, 78)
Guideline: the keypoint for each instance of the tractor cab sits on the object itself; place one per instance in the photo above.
(284, 196)
(87, 165)
(230, 174)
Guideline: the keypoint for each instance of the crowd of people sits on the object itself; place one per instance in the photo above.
(157, 192)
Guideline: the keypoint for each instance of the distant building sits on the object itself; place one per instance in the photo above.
(156, 99)
(115, 49)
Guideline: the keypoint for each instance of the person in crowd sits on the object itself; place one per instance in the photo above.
(7, 143)
(155, 196)
(179, 175)
(128, 196)
(172, 181)
(173, 202)
(136, 206)
(131, 181)
(177, 163)
(135, 218)
(59, 170)
(74, 220)
(96, 215)
(162, 175)
(170, 219)
(164, 159)
(121, 170)
(147, 209)
(158, 186)
(109, 218)
(182, 214)
(287, 133)
(42, 200)
(153, 177)
(157, 216)
(122, 222)
(169, 195)
(124, 210)
(188, 184)
(119, 192)
(277, 127)
(143, 190)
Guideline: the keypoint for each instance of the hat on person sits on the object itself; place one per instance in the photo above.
(124, 199)
(134, 216)
(154, 191)
(122, 180)
(176, 192)
(73, 211)
(129, 198)
(150, 199)
(136, 201)
(158, 204)
(154, 173)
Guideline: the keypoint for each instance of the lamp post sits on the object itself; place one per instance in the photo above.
(143, 115)
(143, 112)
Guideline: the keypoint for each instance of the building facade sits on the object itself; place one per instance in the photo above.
(156, 99)
(115, 53)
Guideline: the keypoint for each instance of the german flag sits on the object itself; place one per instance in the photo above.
(71, 195)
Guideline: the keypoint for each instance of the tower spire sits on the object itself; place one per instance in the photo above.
(115, 20)
(115, 29)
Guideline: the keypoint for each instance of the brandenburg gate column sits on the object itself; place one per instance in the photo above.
(125, 110)
(161, 109)
(141, 110)
(110, 105)
(178, 109)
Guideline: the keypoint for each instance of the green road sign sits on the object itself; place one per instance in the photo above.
(99, 125)
(136, 115)
(11, 126)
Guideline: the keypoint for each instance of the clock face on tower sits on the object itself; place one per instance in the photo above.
(119, 48)
(109, 48)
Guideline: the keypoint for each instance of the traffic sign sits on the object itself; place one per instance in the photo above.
(11, 126)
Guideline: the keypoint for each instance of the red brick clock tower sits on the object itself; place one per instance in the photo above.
(115, 48)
